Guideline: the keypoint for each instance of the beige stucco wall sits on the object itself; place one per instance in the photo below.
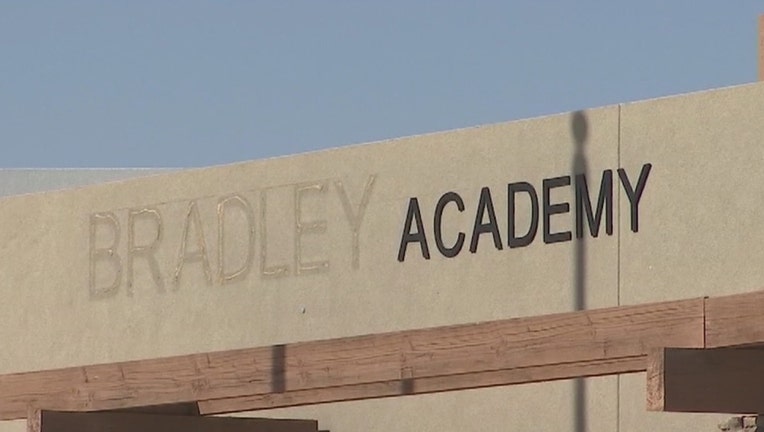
(324, 264)
(702, 232)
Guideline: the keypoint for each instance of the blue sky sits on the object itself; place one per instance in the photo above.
(196, 83)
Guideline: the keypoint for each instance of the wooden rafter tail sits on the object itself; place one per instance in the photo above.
(558, 346)
(734, 320)
(655, 387)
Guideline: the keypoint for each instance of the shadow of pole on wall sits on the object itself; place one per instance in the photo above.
(580, 129)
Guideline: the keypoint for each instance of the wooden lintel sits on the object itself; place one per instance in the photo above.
(719, 380)
(557, 346)
(53, 421)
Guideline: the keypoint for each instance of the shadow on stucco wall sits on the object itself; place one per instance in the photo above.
(579, 126)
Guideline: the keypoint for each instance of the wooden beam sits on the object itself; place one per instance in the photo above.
(53, 421)
(424, 385)
(562, 344)
(721, 380)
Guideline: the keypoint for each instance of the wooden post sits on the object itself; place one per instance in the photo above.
(761, 48)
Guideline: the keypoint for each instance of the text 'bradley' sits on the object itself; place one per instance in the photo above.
(265, 233)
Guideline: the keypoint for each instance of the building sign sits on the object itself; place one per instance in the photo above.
(415, 230)
(116, 253)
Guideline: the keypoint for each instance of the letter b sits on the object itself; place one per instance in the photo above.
(104, 255)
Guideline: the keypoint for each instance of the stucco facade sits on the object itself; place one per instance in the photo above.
(477, 224)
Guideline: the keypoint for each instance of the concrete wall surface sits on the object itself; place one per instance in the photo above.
(327, 244)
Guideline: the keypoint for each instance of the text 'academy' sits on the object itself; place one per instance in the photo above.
(486, 223)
